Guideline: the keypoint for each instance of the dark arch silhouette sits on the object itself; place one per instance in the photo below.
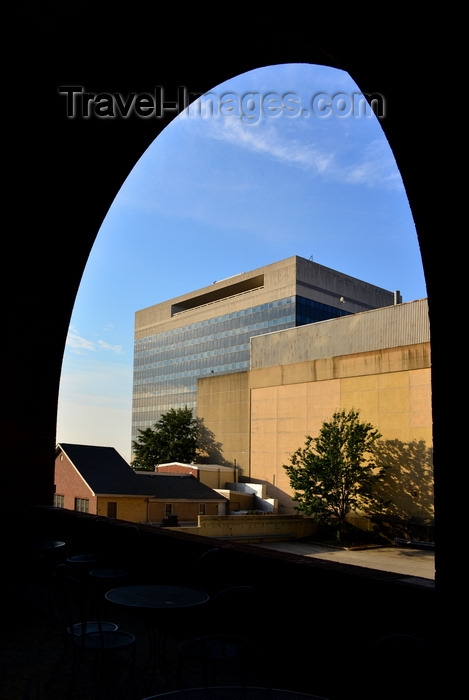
(64, 174)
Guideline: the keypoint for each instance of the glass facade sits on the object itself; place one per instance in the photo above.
(168, 364)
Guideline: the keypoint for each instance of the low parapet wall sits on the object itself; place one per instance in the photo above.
(292, 593)
(253, 527)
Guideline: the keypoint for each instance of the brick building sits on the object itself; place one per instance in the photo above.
(98, 480)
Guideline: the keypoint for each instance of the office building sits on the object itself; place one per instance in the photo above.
(377, 362)
(208, 332)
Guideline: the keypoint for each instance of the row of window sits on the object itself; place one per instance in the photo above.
(229, 339)
(194, 331)
(187, 364)
(168, 364)
(82, 506)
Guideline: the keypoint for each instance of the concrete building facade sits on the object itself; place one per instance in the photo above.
(378, 362)
(208, 332)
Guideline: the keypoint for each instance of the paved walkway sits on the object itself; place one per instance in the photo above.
(401, 560)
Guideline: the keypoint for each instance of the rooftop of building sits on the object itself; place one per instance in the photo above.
(288, 277)
(106, 472)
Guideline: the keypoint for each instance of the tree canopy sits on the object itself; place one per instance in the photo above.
(334, 473)
(172, 439)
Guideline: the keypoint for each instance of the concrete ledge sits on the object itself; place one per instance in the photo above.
(273, 536)
(254, 527)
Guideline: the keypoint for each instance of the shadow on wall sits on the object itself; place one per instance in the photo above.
(406, 491)
(407, 488)
(210, 450)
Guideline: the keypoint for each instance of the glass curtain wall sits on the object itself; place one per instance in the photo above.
(167, 365)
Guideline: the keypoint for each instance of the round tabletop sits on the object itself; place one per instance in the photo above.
(109, 573)
(47, 544)
(229, 693)
(83, 559)
(157, 597)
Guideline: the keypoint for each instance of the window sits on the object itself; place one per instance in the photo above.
(82, 505)
(59, 501)
(168, 509)
(202, 509)
(112, 509)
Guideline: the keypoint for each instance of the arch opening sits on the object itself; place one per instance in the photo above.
(281, 161)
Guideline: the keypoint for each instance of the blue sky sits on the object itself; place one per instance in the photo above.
(216, 195)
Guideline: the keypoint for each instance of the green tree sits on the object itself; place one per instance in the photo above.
(172, 439)
(334, 473)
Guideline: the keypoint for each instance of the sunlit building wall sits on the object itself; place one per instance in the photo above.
(378, 363)
(208, 332)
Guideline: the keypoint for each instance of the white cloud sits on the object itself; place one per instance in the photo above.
(102, 345)
(371, 166)
(376, 168)
(77, 344)
(268, 141)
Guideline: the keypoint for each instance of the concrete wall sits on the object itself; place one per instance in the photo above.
(330, 286)
(379, 329)
(238, 500)
(258, 495)
(223, 403)
(253, 526)
(278, 405)
(398, 403)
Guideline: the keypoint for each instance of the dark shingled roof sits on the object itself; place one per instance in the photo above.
(106, 472)
(174, 486)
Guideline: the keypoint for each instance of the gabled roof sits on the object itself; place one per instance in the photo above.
(106, 472)
(103, 468)
(178, 486)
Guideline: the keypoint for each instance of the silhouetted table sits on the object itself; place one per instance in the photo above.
(229, 693)
(85, 561)
(109, 575)
(46, 553)
(157, 597)
(159, 603)
(45, 545)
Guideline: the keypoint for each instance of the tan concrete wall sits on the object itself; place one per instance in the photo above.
(379, 329)
(391, 389)
(244, 526)
(215, 479)
(238, 500)
(274, 409)
(223, 403)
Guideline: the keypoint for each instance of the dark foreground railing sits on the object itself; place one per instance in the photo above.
(320, 623)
